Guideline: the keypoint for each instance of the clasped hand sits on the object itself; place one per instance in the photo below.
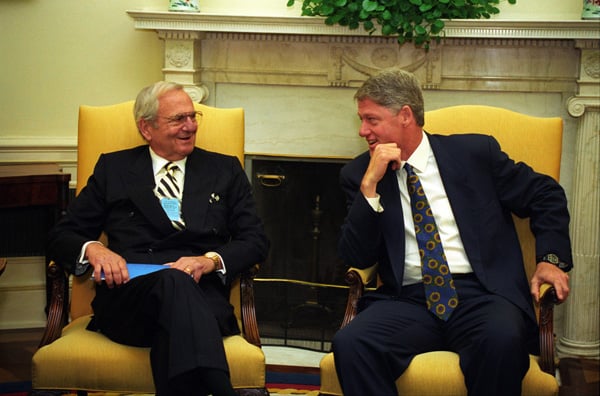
(112, 268)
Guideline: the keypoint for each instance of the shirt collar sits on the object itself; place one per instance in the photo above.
(420, 157)
(159, 162)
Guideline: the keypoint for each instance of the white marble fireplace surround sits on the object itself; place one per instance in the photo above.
(295, 77)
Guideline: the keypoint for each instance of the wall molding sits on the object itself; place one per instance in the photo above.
(41, 149)
(491, 28)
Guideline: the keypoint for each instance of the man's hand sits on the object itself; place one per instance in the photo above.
(195, 266)
(102, 259)
(549, 273)
(383, 155)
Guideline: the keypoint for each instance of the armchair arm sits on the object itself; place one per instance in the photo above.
(356, 279)
(58, 308)
(249, 323)
(546, 323)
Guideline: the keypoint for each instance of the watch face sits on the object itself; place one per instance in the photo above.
(552, 259)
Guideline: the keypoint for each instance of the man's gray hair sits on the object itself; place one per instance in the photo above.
(146, 103)
(393, 88)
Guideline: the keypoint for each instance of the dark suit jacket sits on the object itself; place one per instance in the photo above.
(483, 186)
(120, 201)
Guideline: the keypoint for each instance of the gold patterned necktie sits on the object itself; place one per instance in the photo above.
(169, 189)
(439, 287)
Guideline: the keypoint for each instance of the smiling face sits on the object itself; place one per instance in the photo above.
(380, 124)
(172, 135)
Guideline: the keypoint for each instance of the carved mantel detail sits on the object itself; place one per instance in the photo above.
(301, 51)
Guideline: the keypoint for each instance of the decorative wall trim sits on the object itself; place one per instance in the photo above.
(41, 149)
(40, 141)
(468, 64)
(492, 28)
(38, 149)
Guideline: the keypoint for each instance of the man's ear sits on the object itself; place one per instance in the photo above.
(406, 115)
(144, 128)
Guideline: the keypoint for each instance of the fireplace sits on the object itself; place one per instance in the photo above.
(300, 292)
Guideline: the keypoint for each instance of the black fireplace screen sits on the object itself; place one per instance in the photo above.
(300, 292)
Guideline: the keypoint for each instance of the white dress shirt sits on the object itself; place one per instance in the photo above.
(426, 168)
(158, 167)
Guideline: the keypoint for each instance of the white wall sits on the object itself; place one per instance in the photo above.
(57, 55)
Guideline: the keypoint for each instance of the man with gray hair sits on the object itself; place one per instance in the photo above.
(152, 203)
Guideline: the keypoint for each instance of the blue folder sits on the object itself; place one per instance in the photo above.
(136, 269)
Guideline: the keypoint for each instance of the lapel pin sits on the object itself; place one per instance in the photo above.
(214, 198)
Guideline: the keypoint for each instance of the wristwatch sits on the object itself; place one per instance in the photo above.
(215, 258)
(553, 259)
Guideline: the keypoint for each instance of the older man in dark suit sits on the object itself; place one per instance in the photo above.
(435, 213)
(167, 202)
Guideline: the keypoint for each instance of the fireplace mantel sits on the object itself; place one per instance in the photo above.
(203, 49)
(463, 28)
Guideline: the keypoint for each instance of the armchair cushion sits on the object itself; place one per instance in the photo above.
(125, 368)
(450, 379)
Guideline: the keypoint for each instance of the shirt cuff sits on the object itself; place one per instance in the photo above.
(83, 263)
(224, 269)
(375, 204)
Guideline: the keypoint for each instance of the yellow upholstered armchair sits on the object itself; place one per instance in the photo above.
(72, 358)
(534, 140)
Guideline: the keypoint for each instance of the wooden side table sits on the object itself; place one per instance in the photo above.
(32, 199)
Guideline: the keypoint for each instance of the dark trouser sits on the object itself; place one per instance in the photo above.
(488, 332)
(167, 311)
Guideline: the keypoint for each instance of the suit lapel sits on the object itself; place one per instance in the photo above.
(199, 182)
(393, 222)
(139, 184)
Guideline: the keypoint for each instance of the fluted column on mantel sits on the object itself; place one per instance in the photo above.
(582, 318)
(182, 61)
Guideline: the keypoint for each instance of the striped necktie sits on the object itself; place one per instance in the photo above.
(439, 287)
(169, 188)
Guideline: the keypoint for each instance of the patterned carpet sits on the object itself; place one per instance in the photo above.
(272, 392)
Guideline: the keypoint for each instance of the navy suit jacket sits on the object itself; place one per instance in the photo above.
(484, 186)
(217, 206)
